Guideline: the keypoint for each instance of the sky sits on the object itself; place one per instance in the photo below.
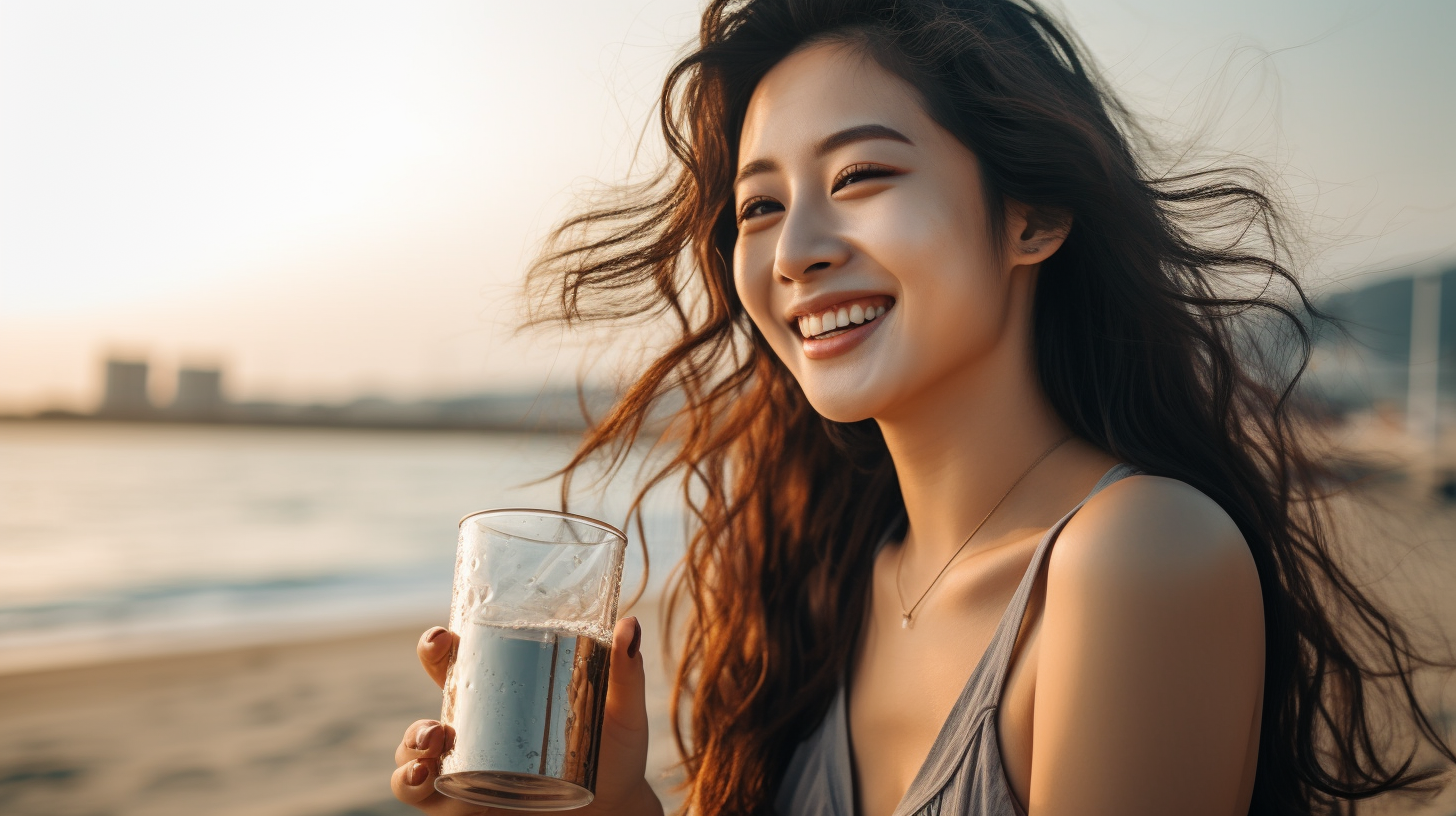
(333, 199)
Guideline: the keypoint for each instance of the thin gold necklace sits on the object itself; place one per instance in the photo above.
(907, 616)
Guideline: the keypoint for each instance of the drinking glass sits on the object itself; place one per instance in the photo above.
(534, 604)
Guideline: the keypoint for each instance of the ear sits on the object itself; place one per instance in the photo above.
(1034, 234)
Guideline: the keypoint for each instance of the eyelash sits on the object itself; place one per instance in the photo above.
(862, 171)
(746, 212)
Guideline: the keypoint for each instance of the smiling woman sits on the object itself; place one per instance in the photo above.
(993, 514)
(888, 210)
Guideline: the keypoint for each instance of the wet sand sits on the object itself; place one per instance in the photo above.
(301, 729)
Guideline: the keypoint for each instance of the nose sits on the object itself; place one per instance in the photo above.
(807, 244)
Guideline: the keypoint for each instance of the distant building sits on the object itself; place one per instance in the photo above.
(199, 393)
(126, 389)
(1369, 358)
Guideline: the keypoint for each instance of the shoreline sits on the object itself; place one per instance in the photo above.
(78, 650)
(92, 420)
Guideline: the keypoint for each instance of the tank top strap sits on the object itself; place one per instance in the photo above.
(1003, 642)
(982, 692)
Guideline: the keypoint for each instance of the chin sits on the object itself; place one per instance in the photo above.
(843, 405)
(848, 389)
(837, 413)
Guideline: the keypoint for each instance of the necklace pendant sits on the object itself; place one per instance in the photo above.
(904, 621)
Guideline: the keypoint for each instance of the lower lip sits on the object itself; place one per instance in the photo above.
(840, 343)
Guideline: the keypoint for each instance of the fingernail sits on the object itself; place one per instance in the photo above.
(417, 773)
(433, 636)
(636, 639)
(424, 735)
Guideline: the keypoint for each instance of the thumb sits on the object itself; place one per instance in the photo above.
(626, 708)
(623, 764)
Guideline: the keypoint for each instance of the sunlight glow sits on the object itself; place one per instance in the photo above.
(340, 197)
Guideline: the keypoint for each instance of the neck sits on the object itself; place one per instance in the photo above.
(959, 446)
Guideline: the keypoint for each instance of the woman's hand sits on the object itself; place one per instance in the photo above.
(622, 788)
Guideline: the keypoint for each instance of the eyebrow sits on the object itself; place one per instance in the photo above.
(829, 144)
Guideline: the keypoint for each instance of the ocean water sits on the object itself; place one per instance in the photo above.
(121, 540)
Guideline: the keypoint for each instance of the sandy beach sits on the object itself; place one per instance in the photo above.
(300, 729)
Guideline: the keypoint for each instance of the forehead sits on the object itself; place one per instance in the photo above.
(821, 90)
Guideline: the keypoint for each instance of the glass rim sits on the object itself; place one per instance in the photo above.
(536, 511)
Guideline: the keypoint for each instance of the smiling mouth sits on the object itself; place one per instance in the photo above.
(843, 317)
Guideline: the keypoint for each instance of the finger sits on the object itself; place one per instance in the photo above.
(424, 739)
(413, 783)
(623, 763)
(435, 647)
(626, 704)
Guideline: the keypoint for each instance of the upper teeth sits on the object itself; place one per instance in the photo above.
(837, 318)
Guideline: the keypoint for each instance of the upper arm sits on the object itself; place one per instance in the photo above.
(1150, 659)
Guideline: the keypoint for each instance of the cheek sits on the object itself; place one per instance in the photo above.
(937, 250)
(753, 280)
(748, 280)
(953, 297)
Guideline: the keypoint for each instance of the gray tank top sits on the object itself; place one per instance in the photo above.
(962, 775)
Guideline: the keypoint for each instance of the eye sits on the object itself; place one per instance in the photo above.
(756, 206)
(860, 172)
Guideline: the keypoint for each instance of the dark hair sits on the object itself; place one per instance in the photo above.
(1142, 341)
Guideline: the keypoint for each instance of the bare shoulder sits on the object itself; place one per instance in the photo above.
(1150, 658)
(1151, 529)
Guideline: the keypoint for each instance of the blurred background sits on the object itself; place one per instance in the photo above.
(260, 270)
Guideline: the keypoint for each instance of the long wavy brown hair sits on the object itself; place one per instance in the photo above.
(1148, 327)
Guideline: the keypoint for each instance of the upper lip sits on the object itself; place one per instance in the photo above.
(821, 303)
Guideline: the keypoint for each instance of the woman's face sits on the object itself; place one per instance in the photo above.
(855, 207)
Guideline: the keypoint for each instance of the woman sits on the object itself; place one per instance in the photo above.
(996, 512)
